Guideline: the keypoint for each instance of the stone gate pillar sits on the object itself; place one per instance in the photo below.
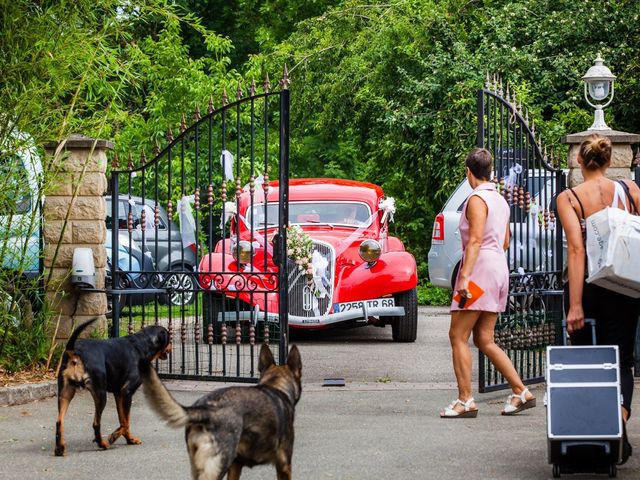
(621, 153)
(74, 216)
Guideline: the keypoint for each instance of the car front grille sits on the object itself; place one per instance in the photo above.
(301, 294)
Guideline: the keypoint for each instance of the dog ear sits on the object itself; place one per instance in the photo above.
(294, 361)
(266, 358)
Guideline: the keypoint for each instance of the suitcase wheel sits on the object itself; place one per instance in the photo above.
(556, 470)
(613, 471)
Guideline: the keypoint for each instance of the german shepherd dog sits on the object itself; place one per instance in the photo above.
(103, 366)
(235, 427)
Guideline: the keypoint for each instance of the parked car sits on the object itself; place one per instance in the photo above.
(358, 273)
(164, 243)
(140, 272)
(530, 247)
(21, 171)
(20, 232)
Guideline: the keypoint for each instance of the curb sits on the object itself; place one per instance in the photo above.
(20, 394)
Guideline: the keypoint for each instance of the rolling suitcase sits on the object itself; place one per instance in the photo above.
(584, 421)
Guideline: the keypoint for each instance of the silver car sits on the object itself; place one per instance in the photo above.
(169, 255)
(532, 243)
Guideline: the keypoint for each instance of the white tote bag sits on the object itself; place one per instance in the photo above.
(613, 248)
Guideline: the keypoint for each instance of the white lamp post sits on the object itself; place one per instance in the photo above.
(598, 82)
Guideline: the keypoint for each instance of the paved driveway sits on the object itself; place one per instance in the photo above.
(382, 425)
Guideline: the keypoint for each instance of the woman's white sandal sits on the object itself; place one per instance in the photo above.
(468, 412)
(511, 409)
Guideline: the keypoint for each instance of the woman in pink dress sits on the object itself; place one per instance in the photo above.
(484, 228)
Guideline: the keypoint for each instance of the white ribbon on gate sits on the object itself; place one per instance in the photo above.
(187, 222)
(226, 160)
(512, 178)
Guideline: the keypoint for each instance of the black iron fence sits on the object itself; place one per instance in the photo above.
(189, 256)
(529, 180)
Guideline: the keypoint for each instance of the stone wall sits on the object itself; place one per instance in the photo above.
(621, 154)
(74, 214)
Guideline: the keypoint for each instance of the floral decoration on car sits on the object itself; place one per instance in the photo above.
(299, 247)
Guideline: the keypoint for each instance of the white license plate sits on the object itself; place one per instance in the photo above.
(377, 302)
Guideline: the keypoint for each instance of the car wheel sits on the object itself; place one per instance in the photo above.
(183, 285)
(405, 329)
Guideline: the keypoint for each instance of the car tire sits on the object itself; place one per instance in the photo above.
(405, 329)
(185, 283)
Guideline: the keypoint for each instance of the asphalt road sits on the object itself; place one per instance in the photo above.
(382, 425)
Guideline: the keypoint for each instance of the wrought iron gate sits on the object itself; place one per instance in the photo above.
(181, 223)
(529, 181)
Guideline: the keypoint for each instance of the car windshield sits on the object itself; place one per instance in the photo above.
(348, 214)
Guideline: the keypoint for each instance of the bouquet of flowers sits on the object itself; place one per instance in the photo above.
(299, 247)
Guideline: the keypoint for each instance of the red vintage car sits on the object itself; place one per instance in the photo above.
(343, 266)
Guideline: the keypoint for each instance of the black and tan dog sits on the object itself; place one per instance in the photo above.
(235, 427)
(103, 366)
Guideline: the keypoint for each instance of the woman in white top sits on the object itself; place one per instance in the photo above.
(616, 314)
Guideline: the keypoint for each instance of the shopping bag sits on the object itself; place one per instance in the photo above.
(613, 248)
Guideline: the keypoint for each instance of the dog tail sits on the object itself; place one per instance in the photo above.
(76, 333)
(160, 399)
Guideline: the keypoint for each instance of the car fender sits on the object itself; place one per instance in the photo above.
(393, 272)
(394, 244)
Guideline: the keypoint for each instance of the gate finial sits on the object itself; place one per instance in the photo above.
(130, 163)
(196, 114)
(210, 109)
(115, 163)
(500, 91)
(266, 84)
(143, 158)
(285, 82)
(508, 97)
(156, 149)
(239, 91)
(169, 135)
(225, 99)
(183, 123)
(252, 88)
(487, 82)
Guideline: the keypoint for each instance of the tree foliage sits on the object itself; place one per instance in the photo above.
(386, 91)
(108, 69)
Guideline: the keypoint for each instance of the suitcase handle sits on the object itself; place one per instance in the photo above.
(566, 445)
(587, 321)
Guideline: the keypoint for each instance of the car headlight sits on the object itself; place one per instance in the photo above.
(241, 252)
(370, 251)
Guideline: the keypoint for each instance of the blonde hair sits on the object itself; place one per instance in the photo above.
(595, 152)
